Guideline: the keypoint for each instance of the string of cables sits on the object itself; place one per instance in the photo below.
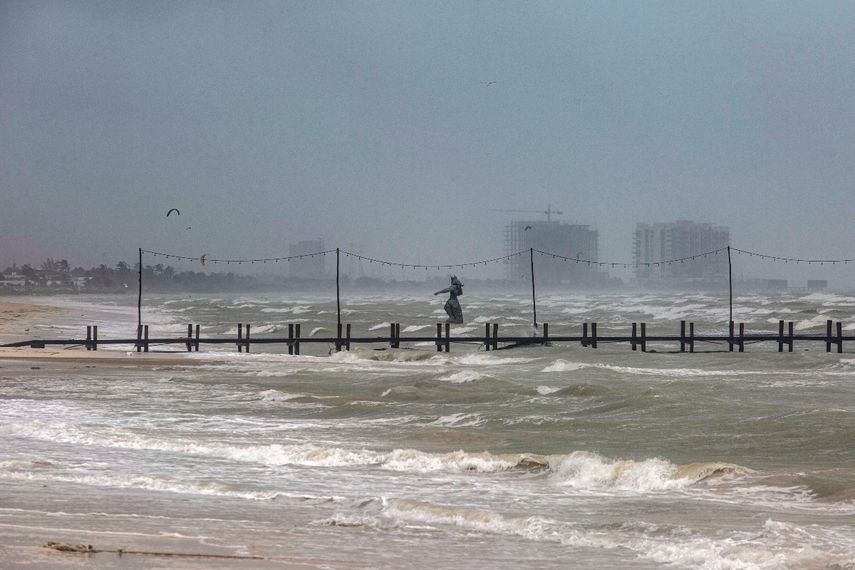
(579, 260)
(796, 260)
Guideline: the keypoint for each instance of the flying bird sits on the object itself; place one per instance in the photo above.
(173, 210)
(525, 229)
(202, 259)
(488, 82)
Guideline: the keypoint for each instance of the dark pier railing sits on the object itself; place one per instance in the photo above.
(736, 338)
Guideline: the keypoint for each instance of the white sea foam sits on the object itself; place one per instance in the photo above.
(462, 377)
(561, 365)
(544, 390)
(383, 325)
(414, 328)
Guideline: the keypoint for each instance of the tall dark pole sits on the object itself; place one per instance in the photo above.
(337, 290)
(139, 296)
(533, 303)
(730, 282)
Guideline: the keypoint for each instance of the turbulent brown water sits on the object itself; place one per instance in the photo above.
(548, 457)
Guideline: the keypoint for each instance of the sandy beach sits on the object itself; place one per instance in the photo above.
(16, 316)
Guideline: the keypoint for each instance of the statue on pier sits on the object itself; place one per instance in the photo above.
(452, 306)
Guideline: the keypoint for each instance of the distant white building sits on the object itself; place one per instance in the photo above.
(675, 240)
(13, 281)
(307, 267)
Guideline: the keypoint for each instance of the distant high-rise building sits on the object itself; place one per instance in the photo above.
(307, 267)
(675, 240)
(570, 240)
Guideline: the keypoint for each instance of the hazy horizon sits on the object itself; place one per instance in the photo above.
(399, 126)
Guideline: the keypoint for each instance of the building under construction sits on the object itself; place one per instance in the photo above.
(570, 240)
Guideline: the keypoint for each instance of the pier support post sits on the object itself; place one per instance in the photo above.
(196, 344)
(297, 339)
(94, 337)
(145, 338)
(487, 337)
(246, 339)
(730, 336)
(347, 339)
(593, 335)
(545, 333)
(88, 337)
(682, 336)
(584, 334)
(338, 337)
(827, 336)
(741, 337)
(495, 336)
(240, 337)
(290, 338)
(691, 337)
(439, 337)
(643, 337)
(391, 335)
(634, 341)
(790, 334)
(780, 336)
(139, 338)
(397, 335)
(447, 337)
(839, 340)
(188, 345)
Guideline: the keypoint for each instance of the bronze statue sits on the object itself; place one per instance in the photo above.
(452, 306)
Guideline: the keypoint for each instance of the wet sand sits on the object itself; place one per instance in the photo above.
(17, 316)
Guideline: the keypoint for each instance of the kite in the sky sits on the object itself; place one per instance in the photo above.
(173, 210)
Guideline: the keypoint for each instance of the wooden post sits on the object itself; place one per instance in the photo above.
(397, 335)
(338, 338)
(247, 341)
(839, 337)
(594, 335)
(392, 335)
(634, 336)
(338, 297)
(88, 337)
(290, 338)
(741, 337)
(240, 337)
(447, 337)
(545, 333)
(196, 345)
(495, 336)
(691, 337)
(487, 337)
(94, 337)
(533, 303)
(439, 337)
(139, 295)
(139, 338)
(643, 337)
(730, 337)
(730, 286)
(790, 331)
(780, 336)
(827, 336)
(145, 338)
(682, 336)
(347, 339)
(297, 338)
(188, 344)
(584, 334)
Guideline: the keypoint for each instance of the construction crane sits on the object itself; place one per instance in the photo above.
(549, 212)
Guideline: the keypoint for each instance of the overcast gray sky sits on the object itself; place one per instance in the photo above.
(379, 123)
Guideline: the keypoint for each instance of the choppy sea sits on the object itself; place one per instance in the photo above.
(547, 457)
